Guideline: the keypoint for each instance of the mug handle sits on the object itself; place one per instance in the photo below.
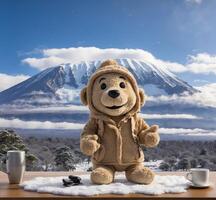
(188, 176)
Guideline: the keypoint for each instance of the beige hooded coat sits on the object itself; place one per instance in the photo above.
(119, 142)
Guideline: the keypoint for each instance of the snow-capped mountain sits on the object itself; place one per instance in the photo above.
(62, 84)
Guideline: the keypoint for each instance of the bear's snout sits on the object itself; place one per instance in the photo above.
(114, 93)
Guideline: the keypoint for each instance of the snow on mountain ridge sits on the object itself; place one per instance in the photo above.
(63, 82)
(155, 80)
(137, 66)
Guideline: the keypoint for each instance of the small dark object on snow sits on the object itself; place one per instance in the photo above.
(75, 179)
(72, 181)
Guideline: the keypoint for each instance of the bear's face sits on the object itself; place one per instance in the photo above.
(113, 94)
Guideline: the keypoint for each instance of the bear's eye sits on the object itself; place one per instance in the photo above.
(103, 86)
(122, 85)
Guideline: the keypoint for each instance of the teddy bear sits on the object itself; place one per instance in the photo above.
(115, 131)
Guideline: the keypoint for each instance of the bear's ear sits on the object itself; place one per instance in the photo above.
(83, 96)
(142, 96)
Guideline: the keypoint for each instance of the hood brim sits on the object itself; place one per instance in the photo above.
(113, 69)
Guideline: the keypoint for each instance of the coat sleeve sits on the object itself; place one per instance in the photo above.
(148, 136)
(90, 130)
(140, 125)
(89, 137)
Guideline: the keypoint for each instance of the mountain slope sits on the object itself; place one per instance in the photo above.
(62, 84)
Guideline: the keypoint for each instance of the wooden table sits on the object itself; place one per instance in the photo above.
(13, 191)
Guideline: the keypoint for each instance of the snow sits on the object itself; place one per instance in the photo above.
(160, 185)
(78, 71)
(67, 70)
(138, 67)
(156, 80)
(69, 94)
(39, 76)
(84, 166)
(154, 165)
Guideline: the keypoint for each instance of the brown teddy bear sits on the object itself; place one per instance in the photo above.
(114, 131)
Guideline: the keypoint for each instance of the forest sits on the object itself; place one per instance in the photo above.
(63, 154)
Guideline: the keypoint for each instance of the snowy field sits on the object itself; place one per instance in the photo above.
(83, 167)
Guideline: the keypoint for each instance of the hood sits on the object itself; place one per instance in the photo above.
(111, 66)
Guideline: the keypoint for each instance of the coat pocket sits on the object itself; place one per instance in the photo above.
(99, 154)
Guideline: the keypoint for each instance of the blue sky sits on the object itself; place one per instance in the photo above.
(170, 30)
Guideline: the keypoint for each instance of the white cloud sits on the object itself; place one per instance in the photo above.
(20, 109)
(194, 1)
(186, 131)
(43, 63)
(8, 81)
(206, 97)
(168, 116)
(17, 123)
(53, 57)
(202, 63)
(83, 109)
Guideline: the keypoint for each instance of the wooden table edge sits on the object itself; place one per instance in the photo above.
(111, 196)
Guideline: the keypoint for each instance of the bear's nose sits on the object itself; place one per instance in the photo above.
(113, 93)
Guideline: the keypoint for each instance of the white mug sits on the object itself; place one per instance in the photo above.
(198, 176)
(15, 166)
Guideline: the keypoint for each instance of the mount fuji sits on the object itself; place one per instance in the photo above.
(62, 84)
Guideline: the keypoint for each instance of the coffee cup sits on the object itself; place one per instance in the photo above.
(15, 166)
(198, 176)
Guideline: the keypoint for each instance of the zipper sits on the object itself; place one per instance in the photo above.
(138, 144)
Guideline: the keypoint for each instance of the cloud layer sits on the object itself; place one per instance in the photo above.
(8, 81)
(23, 109)
(17, 123)
(169, 116)
(187, 131)
(206, 97)
(202, 63)
(53, 57)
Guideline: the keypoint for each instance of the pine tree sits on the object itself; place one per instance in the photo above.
(9, 140)
(65, 158)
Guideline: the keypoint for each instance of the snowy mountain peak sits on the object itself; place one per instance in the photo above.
(63, 83)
